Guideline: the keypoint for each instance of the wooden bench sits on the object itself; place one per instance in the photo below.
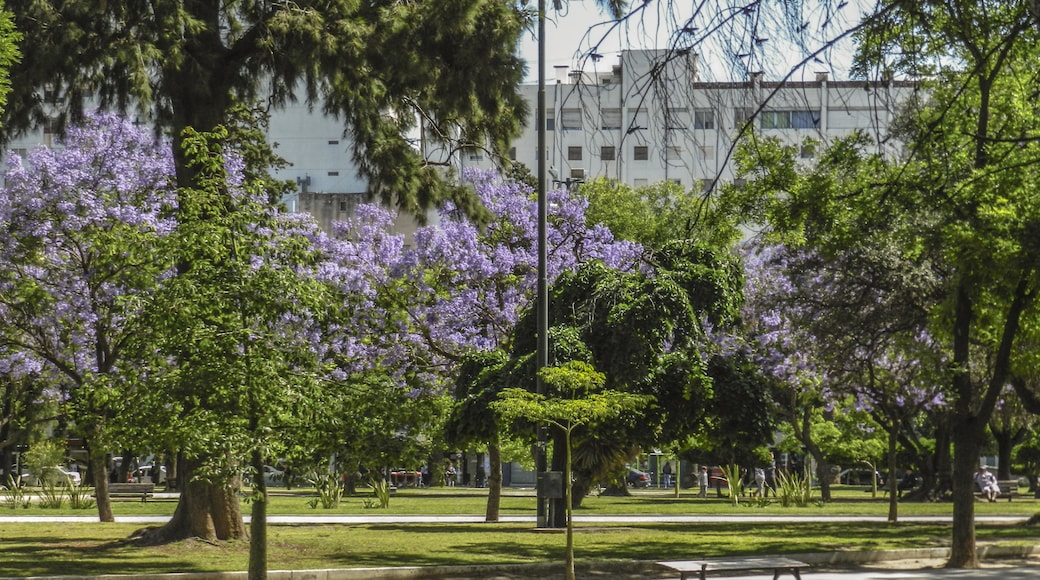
(750, 563)
(1008, 489)
(135, 490)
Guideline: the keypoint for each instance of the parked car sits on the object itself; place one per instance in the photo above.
(637, 478)
(147, 471)
(274, 477)
(859, 476)
(55, 475)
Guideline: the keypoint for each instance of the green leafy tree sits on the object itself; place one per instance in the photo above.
(238, 321)
(962, 200)
(9, 52)
(1027, 461)
(1010, 425)
(376, 66)
(657, 214)
(579, 402)
(739, 419)
(472, 421)
(647, 334)
(24, 409)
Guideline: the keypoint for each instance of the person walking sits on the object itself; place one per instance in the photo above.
(760, 482)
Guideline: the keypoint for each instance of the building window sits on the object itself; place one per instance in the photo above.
(742, 116)
(776, 119)
(512, 153)
(677, 118)
(641, 153)
(578, 173)
(807, 152)
(640, 182)
(789, 120)
(637, 119)
(333, 141)
(571, 120)
(342, 206)
(804, 120)
(550, 122)
(474, 154)
(673, 153)
(333, 173)
(610, 119)
(574, 153)
(704, 119)
(606, 153)
(706, 152)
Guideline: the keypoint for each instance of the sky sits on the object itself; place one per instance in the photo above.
(720, 35)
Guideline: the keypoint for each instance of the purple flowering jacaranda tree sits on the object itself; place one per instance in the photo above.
(457, 287)
(853, 326)
(84, 225)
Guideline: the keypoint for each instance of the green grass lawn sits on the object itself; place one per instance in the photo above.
(848, 500)
(47, 549)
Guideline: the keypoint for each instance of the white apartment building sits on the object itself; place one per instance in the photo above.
(650, 119)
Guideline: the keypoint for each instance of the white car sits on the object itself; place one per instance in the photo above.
(55, 475)
(73, 476)
(274, 477)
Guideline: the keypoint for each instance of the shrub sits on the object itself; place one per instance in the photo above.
(794, 490)
(52, 496)
(14, 494)
(381, 489)
(80, 497)
(330, 490)
(735, 482)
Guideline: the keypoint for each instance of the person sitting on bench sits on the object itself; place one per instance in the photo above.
(987, 483)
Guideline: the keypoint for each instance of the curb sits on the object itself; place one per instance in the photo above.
(543, 570)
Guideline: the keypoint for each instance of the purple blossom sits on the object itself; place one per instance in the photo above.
(461, 287)
(84, 225)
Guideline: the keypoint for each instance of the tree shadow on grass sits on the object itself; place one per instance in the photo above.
(496, 543)
(46, 555)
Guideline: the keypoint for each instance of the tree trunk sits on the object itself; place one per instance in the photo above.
(557, 516)
(943, 462)
(966, 439)
(206, 510)
(258, 523)
(99, 472)
(1006, 441)
(678, 477)
(568, 501)
(893, 499)
(823, 468)
(494, 483)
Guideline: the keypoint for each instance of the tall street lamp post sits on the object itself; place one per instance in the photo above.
(542, 299)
